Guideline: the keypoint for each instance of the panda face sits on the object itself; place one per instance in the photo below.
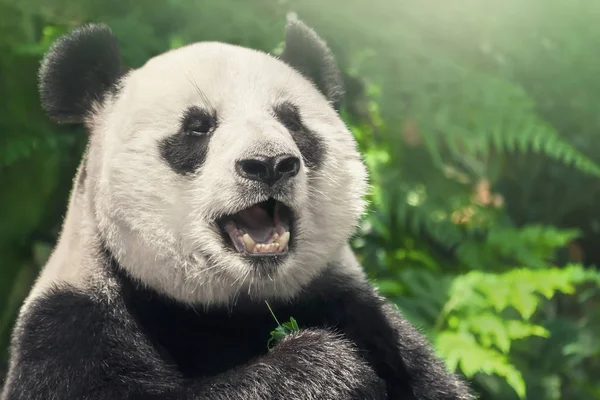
(221, 171)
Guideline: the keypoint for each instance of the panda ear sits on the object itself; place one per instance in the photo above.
(306, 52)
(78, 70)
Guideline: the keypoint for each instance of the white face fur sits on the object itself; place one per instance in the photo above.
(161, 225)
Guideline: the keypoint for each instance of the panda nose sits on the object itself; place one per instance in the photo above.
(269, 170)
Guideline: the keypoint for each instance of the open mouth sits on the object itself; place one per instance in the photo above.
(263, 229)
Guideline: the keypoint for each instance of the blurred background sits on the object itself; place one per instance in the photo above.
(479, 123)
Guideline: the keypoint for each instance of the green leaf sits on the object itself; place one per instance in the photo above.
(461, 350)
(281, 331)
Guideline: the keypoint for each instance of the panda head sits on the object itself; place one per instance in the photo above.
(213, 170)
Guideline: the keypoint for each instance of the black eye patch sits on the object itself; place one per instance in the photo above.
(310, 143)
(186, 150)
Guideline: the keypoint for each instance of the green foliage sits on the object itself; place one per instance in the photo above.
(475, 314)
(477, 120)
(282, 330)
(442, 244)
(475, 318)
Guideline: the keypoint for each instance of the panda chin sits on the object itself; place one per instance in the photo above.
(263, 230)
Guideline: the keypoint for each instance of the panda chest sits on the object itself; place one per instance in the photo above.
(205, 344)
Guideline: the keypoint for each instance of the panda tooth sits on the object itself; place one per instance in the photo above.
(284, 240)
(250, 244)
(279, 244)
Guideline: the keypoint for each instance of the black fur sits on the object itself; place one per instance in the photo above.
(80, 68)
(306, 52)
(310, 144)
(186, 151)
(142, 345)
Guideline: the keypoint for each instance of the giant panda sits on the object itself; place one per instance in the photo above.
(217, 180)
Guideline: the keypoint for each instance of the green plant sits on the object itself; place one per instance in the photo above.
(282, 330)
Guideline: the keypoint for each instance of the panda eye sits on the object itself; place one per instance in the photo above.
(201, 127)
(198, 122)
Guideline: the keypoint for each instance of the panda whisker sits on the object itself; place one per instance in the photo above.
(237, 279)
(203, 96)
(250, 285)
(316, 192)
(239, 289)
(222, 267)
(195, 311)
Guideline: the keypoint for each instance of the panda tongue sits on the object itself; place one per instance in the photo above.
(257, 223)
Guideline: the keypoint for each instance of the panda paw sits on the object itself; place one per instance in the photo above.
(328, 364)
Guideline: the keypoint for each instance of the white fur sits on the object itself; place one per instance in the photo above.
(160, 225)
